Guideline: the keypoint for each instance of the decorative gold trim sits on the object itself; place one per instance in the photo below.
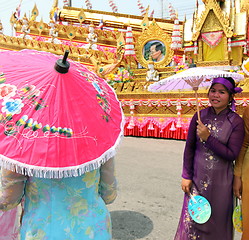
(40, 26)
(225, 47)
(212, 23)
(81, 16)
(210, 63)
(200, 51)
(70, 14)
(71, 32)
(154, 34)
(77, 54)
(212, 5)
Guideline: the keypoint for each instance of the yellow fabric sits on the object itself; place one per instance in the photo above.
(245, 207)
(236, 54)
(242, 162)
(11, 189)
(242, 170)
(214, 53)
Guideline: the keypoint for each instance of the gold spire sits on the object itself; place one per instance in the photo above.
(81, 16)
(34, 13)
(145, 22)
(40, 26)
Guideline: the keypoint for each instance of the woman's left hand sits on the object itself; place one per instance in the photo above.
(202, 131)
(237, 187)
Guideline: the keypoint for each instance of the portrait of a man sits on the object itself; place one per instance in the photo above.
(154, 50)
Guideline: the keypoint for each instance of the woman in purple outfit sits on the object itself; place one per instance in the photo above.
(211, 147)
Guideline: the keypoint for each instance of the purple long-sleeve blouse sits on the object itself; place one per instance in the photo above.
(225, 141)
(210, 167)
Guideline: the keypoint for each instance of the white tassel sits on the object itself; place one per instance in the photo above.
(196, 48)
(229, 49)
(245, 50)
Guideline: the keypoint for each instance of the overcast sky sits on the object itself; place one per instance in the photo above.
(184, 7)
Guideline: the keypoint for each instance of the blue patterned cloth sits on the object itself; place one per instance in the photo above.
(65, 209)
(71, 208)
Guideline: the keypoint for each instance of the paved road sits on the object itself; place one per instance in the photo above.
(150, 198)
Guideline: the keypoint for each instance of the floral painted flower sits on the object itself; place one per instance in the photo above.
(89, 178)
(110, 76)
(32, 192)
(22, 120)
(38, 235)
(30, 91)
(12, 106)
(29, 123)
(2, 77)
(7, 91)
(78, 207)
(123, 75)
(103, 102)
(177, 59)
(97, 87)
(108, 224)
(36, 126)
(10, 129)
(181, 67)
(90, 233)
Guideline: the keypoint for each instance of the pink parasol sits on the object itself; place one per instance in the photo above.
(192, 79)
(57, 119)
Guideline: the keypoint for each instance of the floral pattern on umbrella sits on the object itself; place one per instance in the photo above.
(54, 124)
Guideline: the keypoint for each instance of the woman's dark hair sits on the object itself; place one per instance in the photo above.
(230, 80)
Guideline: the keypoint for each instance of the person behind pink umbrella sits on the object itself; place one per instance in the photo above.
(10, 223)
(213, 143)
(59, 131)
(76, 205)
(241, 178)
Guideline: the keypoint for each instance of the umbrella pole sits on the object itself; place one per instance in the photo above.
(197, 106)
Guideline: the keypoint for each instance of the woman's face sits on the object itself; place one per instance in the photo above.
(219, 97)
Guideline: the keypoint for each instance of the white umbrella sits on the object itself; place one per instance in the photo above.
(192, 78)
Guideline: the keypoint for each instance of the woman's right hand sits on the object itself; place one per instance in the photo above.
(202, 131)
(237, 186)
(186, 185)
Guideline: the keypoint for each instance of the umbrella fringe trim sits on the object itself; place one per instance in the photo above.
(42, 172)
(56, 173)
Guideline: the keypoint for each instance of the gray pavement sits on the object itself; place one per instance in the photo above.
(150, 197)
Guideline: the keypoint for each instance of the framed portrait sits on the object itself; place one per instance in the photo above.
(154, 45)
(154, 50)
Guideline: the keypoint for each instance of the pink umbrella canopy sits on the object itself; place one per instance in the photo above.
(55, 122)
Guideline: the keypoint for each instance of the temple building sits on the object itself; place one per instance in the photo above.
(131, 52)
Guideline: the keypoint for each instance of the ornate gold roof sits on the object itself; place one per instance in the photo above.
(113, 20)
(245, 6)
(74, 34)
(204, 1)
(212, 19)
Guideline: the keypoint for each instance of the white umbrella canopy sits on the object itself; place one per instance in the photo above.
(192, 78)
